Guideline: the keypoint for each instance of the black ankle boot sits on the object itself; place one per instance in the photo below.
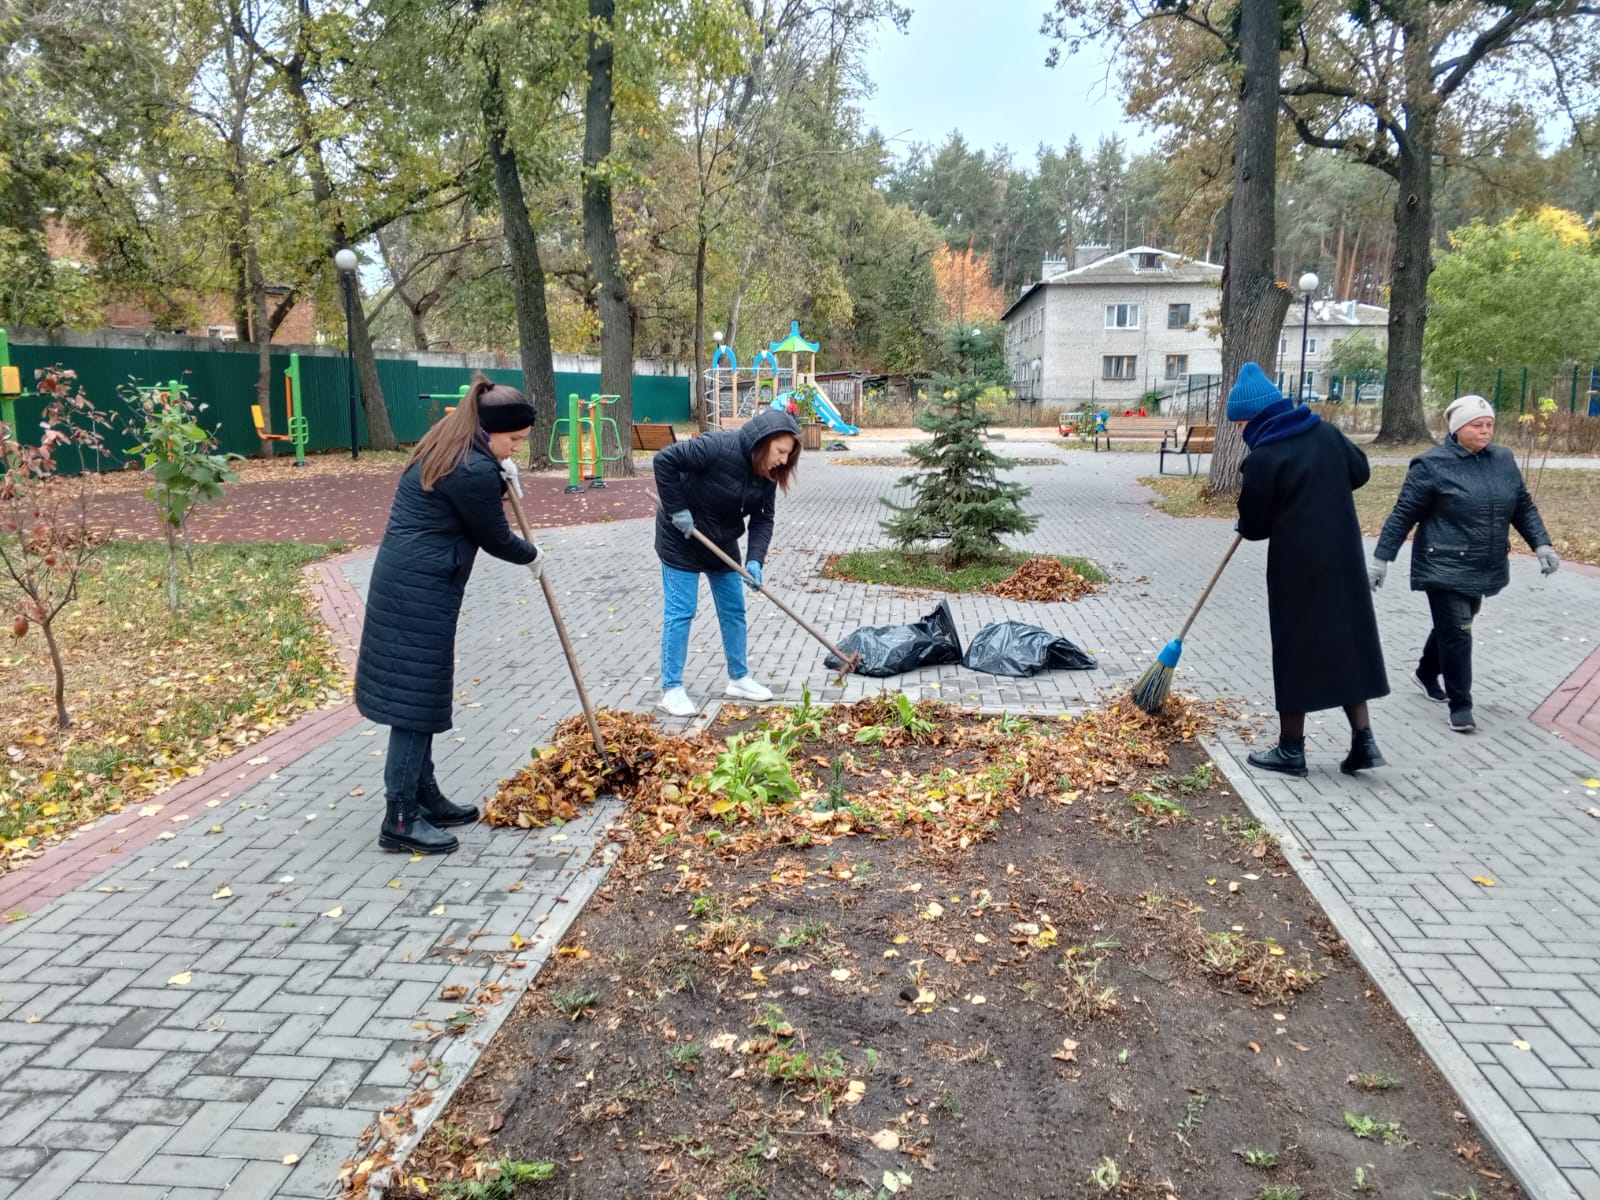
(442, 813)
(1288, 757)
(1364, 753)
(406, 829)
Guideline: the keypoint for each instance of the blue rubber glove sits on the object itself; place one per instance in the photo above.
(683, 522)
(753, 569)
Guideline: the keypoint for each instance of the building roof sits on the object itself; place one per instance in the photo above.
(1349, 314)
(1125, 266)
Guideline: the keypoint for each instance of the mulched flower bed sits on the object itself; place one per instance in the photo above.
(961, 956)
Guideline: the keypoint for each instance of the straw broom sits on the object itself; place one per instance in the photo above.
(1150, 692)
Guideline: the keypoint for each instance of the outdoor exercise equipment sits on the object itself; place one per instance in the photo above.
(299, 432)
(584, 428)
(458, 396)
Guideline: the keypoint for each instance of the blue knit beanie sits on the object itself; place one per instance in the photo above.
(1251, 393)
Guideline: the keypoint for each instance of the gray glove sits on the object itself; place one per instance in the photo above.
(1376, 573)
(1548, 560)
(683, 522)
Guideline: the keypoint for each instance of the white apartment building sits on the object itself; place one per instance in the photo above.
(1331, 322)
(1113, 327)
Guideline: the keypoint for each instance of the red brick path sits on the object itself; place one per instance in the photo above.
(1572, 711)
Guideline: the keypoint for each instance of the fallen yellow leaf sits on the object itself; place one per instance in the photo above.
(181, 979)
(222, 893)
(335, 912)
(1483, 881)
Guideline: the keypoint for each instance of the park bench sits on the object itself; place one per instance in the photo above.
(1192, 442)
(648, 436)
(1132, 429)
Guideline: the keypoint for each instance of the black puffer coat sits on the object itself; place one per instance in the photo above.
(711, 476)
(1297, 493)
(406, 671)
(1462, 505)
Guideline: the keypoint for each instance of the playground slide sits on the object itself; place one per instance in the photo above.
(826, 413)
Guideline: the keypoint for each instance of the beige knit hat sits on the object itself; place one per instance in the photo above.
(1467, 408)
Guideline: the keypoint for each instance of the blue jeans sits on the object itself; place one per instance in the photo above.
(409, 763)
(682, 592)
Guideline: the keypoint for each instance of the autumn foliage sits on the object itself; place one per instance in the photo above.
(966, 288)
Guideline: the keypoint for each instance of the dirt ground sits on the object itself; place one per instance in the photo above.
(1104, 981)
(334, 500)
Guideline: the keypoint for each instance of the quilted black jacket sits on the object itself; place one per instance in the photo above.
(406, 668)
(1462, 505)
(711, 476)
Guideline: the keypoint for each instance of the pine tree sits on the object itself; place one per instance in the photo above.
(958, 492)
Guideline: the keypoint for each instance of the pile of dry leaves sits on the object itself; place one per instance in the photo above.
(1043, 579)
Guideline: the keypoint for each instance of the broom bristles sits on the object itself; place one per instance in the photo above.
(1151, 691)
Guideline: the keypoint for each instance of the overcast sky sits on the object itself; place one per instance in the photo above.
(980, 68)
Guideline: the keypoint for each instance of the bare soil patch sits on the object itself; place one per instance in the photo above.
(972, 957)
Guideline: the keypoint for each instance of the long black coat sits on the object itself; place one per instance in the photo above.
(711, 476)
(1297, 495)
(1462, 504)
(406, 669)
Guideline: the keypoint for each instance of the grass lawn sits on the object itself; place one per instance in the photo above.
(155, 696)
(896, 569)
(1569, 501)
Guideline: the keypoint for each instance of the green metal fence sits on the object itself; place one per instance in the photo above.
(1575, 387)
(224, 380)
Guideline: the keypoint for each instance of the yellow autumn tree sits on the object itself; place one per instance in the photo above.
(966, 288)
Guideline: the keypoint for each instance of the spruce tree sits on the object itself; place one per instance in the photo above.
(958, 492)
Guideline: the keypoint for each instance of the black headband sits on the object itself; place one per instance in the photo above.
(505, 418)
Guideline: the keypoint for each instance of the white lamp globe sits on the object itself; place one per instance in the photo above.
(1309, 281)
(345, 259)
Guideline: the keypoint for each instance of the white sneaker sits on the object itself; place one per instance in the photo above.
(747, 689)
(675, 702)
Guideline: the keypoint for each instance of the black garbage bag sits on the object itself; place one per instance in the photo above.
(1012, 648)
(895, 649)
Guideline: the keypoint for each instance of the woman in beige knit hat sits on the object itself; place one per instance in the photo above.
(1462, 497)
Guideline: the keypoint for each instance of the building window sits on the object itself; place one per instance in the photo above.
(1177, 365)
(1148, 261)
(1177, 316)
(1283, 345)
(1122, 316)
(1311, 345)
(1119, 366)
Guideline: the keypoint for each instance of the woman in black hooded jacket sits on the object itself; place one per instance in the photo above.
(447, 507)
(717, 483)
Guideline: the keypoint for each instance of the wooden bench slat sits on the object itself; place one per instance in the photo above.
(653, 437)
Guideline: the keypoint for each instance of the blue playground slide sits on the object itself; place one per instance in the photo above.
(828, 414)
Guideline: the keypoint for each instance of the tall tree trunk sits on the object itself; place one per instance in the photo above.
(600, 229)
(1403, 419)
(1253, 305)
(261, 335)
(699, 411)
(527, 273)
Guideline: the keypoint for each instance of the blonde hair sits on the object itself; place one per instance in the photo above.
(446, 446)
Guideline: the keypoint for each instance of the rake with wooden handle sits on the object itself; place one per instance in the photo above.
(851, 661)
(514, 492)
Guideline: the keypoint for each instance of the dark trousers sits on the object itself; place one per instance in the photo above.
(1448, 651)
(409, 764)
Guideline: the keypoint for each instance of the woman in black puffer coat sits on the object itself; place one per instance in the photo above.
(716, 483)
(447, 507)
(1462, 496)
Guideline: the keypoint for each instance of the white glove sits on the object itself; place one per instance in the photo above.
(1548, 560)
(508, 472)
(536, 567)
(1376, 572)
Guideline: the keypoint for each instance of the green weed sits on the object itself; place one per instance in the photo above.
(1258, 1157)
(1388, 1132)
(502, 1185)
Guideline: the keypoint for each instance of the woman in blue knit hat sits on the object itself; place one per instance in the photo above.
(1298, 496)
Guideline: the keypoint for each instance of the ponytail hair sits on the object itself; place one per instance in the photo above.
(446, 446)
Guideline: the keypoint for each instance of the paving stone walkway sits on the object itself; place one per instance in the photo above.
(161, 1042)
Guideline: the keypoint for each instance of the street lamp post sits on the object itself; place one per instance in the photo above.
(1308, 285)
(345, 260)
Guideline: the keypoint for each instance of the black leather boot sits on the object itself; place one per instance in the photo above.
(1288, 757)
(406, 829)
(1364, 753)
(442, 813)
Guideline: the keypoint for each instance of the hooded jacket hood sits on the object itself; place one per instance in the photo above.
(769, 422)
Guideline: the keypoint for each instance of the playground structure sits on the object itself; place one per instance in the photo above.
(584, 431)
(734, 394)
(10, 386)
(299, 430)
